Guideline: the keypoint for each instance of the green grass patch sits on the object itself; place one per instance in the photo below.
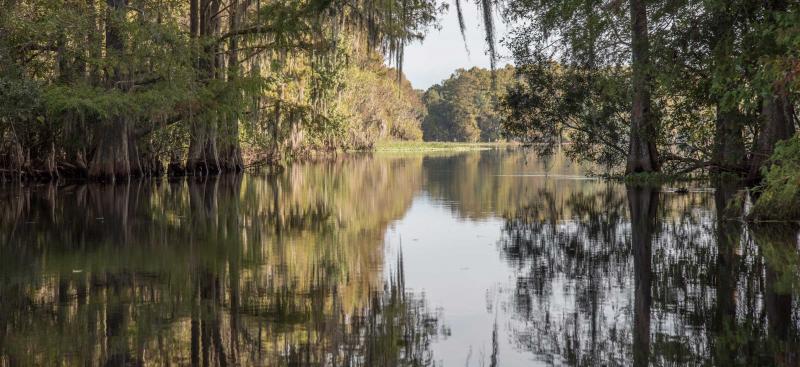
(433, 146)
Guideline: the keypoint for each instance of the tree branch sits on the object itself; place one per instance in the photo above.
(142, 131)
(259, 29)
(698, 164)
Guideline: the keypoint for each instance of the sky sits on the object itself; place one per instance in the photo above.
(442, 52)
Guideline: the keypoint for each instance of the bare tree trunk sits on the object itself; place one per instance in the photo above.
(728, 140)
(728, 150)
(193, 19)
(111, 157)
(110, 160)
(230, 151)
(777, 115)
(777, 123)
(137, 168)
(230, 157)
(203, 156)
(95, 43)
(642, 153)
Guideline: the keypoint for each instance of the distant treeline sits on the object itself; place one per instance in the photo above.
(464, 107)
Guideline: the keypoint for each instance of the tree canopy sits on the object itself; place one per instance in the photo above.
(655, 85)
(111, 89)
(464, 106)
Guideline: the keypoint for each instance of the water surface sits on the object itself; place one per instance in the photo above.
(490, 258)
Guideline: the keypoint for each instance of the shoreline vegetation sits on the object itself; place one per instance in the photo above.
(656, 89)
(775, 201)
(437, 146)
(105, 90)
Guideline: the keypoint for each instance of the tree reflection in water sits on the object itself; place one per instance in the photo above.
(226, 271)
(289, 270)
(640, 276)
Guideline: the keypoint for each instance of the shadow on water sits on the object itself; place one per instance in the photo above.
(272, 270)
(675, 279)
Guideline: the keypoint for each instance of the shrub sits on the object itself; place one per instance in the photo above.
(779, 197)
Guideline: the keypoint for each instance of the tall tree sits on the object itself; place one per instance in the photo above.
(710, 83)
(777, 109)
(176, 80)
(111, 158)
(642, 153)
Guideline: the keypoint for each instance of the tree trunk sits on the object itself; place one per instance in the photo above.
(110, 160)
(175, 167)
(137, 168)
(16, 159)
(144, 162)
(642, 153)
(777, 113)
(230, 157)
(94, 42)
(155, 166)
(729, 150)
(777, 123)
(75, 163)
(193, 19)
(111, 157)
(203, 158)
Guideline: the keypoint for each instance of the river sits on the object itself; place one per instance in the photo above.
(480, 258)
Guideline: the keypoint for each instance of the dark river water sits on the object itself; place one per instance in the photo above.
(483, 258)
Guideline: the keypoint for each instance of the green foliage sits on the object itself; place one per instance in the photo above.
(432, 146)
(19, 97)
(715, 67)
(355, 100)
(378, 106)
(779, 197)
(653, 178)
(553, 104)
(464, 107)
(280, 76)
